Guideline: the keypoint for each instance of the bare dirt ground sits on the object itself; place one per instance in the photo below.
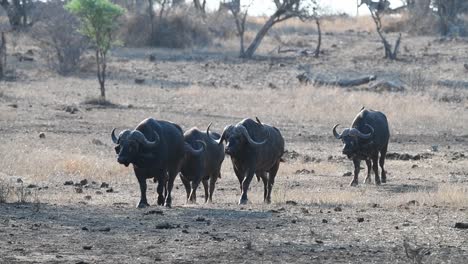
(315, 216)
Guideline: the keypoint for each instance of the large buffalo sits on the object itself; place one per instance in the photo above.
(156, 150)
(201, 166)
(364, 140)
(254, 149)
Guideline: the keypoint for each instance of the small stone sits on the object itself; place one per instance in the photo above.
(110, 190)
(414, 166)
(324, 221)
(152, 57)
(200, 219)
(347, 174)
(68, 183)
(19, 180)
(98, 192)
(42, 135)
(104, 185)
(294, 221)
(185, 231)
(360, 219)
(83, 182)
(87, 247)
(105, 229)
(291, 202)
(88, 197)
(78, 190)
(97, 142)
(139, 80)
(338, 209)
(84, 228)
(31, 186)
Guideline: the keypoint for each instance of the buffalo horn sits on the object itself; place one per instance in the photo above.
(251, 141)
(336, 134)
(365, 136)
(193, 151)
(114, 138)
(140, 137)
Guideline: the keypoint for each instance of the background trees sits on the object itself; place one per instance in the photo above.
(99, 23)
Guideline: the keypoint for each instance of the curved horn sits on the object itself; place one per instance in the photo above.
(223, 135)
(114, 138)
(193, 151)
(336, 134)
(251, 141)
(365, 136)
(258, 121)
(140, 137)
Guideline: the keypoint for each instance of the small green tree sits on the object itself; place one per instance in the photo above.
(98, 22)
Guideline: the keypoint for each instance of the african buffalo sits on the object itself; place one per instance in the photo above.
(254, 148)
(367, 136)
(201, 166)
(156, 150)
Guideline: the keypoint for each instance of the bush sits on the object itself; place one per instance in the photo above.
(57, 31)
(179, 29)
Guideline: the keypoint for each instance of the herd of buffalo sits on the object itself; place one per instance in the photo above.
(160, 150)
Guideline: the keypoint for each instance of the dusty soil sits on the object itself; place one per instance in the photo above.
(315, 216)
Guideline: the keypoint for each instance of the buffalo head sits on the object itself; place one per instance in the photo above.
(350, 138)
(130, 144)
(237, 137)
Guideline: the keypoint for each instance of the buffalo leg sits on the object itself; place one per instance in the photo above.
(245, 186)
(205, 187)
(161, 187)
(195, 182)
(141, 176)
(213, 180)
(375, 166)
(369, 165)
(383, 153)
(357, 164)
(240, 176)
(263, 176)
(169, 186)
(186, 183)
(271, 180)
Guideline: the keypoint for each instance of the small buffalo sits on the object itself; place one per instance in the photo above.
(201, 166)
(364, 140)
(254, 148)
(156, 150)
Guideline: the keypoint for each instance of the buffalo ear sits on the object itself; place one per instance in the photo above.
(117, 149)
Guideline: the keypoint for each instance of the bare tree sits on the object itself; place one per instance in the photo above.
(200, 6)
(376, 13)
(57, 32)
(319, 33)
(17, 11)
(448, 12)
(285, 9)
(2, 55)
(240, 17)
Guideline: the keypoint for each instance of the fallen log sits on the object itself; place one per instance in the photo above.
(345, 82)
(453, 84)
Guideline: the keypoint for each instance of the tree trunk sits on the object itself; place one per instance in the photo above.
(2, 55)
(319, 42)
(151, 16)
(259, 37)
(101, 72)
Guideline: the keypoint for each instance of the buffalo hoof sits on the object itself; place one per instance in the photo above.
(384, 180)
(367, 181)
(243, 201)
(142, 205)
(267, 201)
(353, 183)
(168, 205)
(377, 182)
(160, 200)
